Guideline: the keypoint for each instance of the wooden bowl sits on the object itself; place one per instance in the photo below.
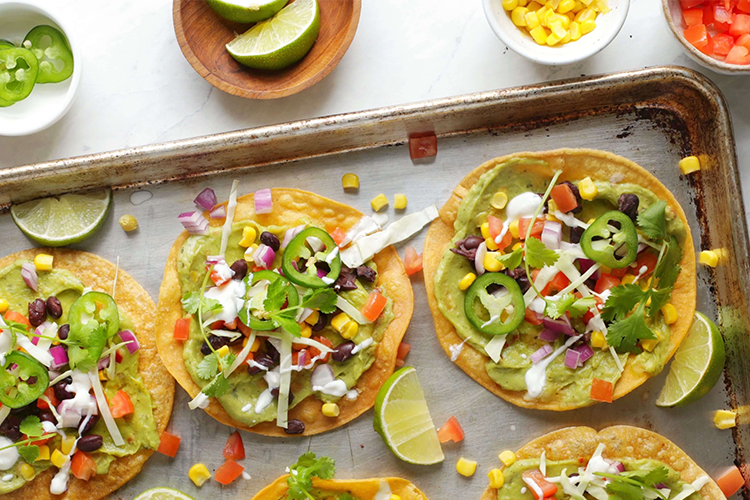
(202, 35)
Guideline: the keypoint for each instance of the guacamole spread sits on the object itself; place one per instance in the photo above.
(595, 241)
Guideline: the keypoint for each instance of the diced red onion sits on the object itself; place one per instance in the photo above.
(302, 358)
(35, 340)
(59, 357)
(561, 324)
(103, 363)
(541, 353)
(264, 256)
(194, 223)
(132, 342)
(322, 375)
(291, 233)
(479, 259)
(206, 199)
(585, 264)
(321, 273)
(621, 468)
(585, 352)
(218, 212)
(552, 234)
(572, 358)
(549, 335)
(28, 273)
(658, 486)
(263, 201)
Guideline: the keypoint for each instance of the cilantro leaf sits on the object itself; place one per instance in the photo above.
(302, 473)
(668, 268)
(653, 221)
(86, 345)
(287, 320)
(569, 303)
(18, 327)
(622, 300)
(217, 388)
(625, 333)
(191, 301)
(31, 426)
(538, 255)
(29, 453)
(208, 367)
(658, 299)
(656, 476)
(511, 260)
(320, 298)
(630, 485)
(276, 295)
(226, 361)
(622, 490)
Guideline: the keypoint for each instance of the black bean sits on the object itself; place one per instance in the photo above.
(47, 416)
(217, 343)
(275, 394)
(90, 443)
(272, 352)
(628, 203)
(63, 331)
(575, 234)
(472, 242)
(61, 389)
(346, 281)
(11, 427)
(240, 269)
(270, 239)
(470, 254)
(294, 426)
(343, 351)
(519, 274)
(321, 323)
(54, 308)
(37, 312)
(367, 273)
(29, 409)
(89, 425)
(261, 359)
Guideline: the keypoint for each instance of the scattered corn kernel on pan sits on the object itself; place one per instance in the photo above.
(653, 117)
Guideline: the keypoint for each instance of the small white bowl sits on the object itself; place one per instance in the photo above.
(607, 27)
(50, 101)
(673, 14)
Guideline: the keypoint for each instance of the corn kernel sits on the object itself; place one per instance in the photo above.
(558, 31)
(466, 467)
(553, 39)
(650, 344)
(522, 3)
(199, 474)
(67, 444)
(255, 346)
(553, 4)
(339, 321)
(690, 164)
(510, 4)
(491, 245)
(564, 20)
(585, 15)
(485, 230)
(534, 6)
(507, 457)
(313, 318)
(645, 284)
(305, 331)
(102, 375)
(248, 236)
(128, 223)
(399, 201)
(379, 202)
(27, 472)
(627, 279)
(517, 245)
(588, 189)
(222, 351)
(587, 27)
(540, 37)
(598, 340)
(330, 410)
(575, 31)
(549, 216)
(499, 200)
(343, 324)
(491, 264)
(670, 313)
(58, 459)
(350, 330)
(394, 497)
(43, 453)
(350, 181)
(709, 258)
(566, 6)
(513, 226)
(497, 479)
(43, 262)
(4, 305)
(466, 281)
(725, 419)
(518, 16)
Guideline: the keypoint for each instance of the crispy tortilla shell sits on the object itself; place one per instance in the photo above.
(364, 489)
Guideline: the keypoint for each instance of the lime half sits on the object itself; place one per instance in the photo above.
(246, 11)
(58, 221)
(280, 41)
(697, 366)
(162, 493)
(403, 420)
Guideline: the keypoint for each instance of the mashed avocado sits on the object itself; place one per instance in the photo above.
(138, 429)
(245, 388)
(515, 488)
(569, 387)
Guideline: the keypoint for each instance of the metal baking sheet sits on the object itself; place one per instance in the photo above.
(653, 116)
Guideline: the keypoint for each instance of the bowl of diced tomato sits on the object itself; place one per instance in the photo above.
(714, 33)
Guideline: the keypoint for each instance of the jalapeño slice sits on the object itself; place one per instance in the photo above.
(248, 318)
(297, 254)
(19, 68)
(25, 383)
(93, 319)
(495, 304)
(611, 240)
(52, 49)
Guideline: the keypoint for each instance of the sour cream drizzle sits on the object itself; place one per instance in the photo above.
(523, 205)
(536, 376)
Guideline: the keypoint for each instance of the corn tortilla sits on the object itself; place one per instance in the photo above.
(364, 489)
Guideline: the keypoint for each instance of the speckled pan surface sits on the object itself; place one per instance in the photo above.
(652, 117)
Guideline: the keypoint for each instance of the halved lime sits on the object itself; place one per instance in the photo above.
(280, 41)
(403, 420)
(246, 11)
(697, 365)
(163, 493)
(62, 220)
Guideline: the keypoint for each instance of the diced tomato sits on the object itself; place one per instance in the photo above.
(50, 393)
(228, 472)
(18, 318)
(536, 229)
(723, 43)
(556, 284)
(693, 16)
(403, 350)
(689, 4)
(722, 27)
(605, 282)
(296, 355)
(451, 431)
(422, 146)
(740, 25)
(338, 235)
(601, 390)
(412, 261)
(218, 279)
(255, 269)
(216, 325)
(314, 351)
(495, 225)
(738, 55)
(82, 466)
(169, 444)
(722, 14)
(620, 272)
(708, 49)
(744, 6)
(730, 482)
(743, 41)
(246, 330)
(234, 449)
(697, 35)
(647, 260)
(533, 317)
(182, 328)
(564, 198)
(708, 14)
(121, 405)
(548, 489)
(374, 306)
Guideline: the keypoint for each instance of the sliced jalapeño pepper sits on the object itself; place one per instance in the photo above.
(247, 317)
(297, 254)
(611, 240)
(495, 304)
(19, 68)
(52, 49)
(5, 44)
(25, 383)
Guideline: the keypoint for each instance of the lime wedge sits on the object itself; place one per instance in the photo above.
(163, 493)
(280, 41)
(63, 220)
(246, 11)
(697, 365)
(403, 420)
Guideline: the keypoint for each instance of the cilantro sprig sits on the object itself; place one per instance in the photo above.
(569, 303)
(323, 299)
(630, 485)
(302, 473)
(31, 426)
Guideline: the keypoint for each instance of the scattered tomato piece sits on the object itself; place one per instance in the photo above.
(730, 482)
(564, 198)
(605, 282)
(451, 431)
(50, 393)
(182, 328)
(169, 444)
(18, 318)
(374, 306)
(314, 351)
(228, 472)
(82, 466)
(548, 489)
(338, 235)
(423, 146)
(536, 229)
(601, 390)
(121, 405)
(234, 449)
(412, 261)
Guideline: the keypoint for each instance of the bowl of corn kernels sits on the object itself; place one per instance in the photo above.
(556, 32)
